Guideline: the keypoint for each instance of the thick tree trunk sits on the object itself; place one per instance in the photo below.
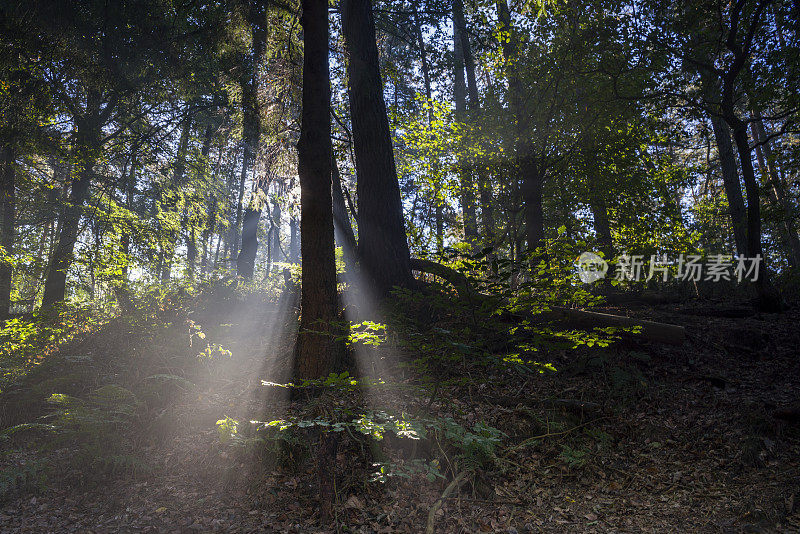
(87, 148)
(531, 189)
(601, 225)
(383, 248)
(316, 346)
(769, 299)
(246, 261)
(460, 97)
(7, 227)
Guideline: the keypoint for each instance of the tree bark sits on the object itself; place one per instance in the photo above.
(7, 227)
(316, 351)
(531, 189)
(383, 248)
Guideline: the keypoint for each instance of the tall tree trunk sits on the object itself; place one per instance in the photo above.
(727, 161)
(776, 191)
(8, 214)
(426, 77)
(382, 244)
(730, 179)
(460, 97)
(87, 151)
(251, 134)
(769, 297)
(530, 175)
(316, 347)
(229, 212)
(480, 164)
(211, 218)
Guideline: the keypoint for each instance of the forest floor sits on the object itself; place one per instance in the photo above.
(639, 437)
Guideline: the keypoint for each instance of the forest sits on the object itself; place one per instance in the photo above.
(377, 266)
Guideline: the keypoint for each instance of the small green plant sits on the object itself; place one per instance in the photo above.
(574, 458)
(26, 478)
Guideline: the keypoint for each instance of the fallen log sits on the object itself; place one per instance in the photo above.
(650, 330)
(455, 278)
(660, 332)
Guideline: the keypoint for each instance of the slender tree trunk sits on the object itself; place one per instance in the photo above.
(460, 97)
(437, 188)
(245, 262)
(776, 191)
(727, 160)
(177, 183)
(294, 249)
(87, 149)
(125, 239)
(316, 347)
(247, 158)
(531, 175)
(229, 212)
(275, 218)
(480, 164)
(730, 179)
(383, 246)
(769, 297)
(343, 228)
(7, 227)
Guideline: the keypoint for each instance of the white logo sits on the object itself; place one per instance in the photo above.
(591, 267)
